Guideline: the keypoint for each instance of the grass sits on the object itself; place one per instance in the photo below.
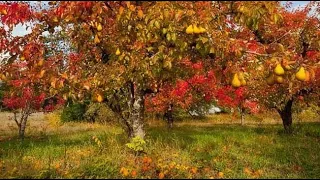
(187, 151)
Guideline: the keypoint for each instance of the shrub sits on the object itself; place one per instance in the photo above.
(73, 112)
(137, 144)
(53, 118)
(100, 113)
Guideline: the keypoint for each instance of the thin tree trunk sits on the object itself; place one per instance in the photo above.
(241, 110)
(286, 116)
(242, 117)
(169, 116)
(22, 123)
(22, 127)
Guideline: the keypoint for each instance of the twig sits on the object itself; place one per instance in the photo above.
(266, 55)
(281, 36)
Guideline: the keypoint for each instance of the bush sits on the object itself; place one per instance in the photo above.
(53, 118)
(73, 112)
(100, 113)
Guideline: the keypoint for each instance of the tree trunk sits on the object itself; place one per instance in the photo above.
(286, 116)
(242, 118)
(242, 115)
(22, 126)
(136, 116)
(169, 116)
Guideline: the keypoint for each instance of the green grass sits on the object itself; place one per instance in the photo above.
(236, 151)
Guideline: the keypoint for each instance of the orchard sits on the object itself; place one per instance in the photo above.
(124, 53)
(139, 58)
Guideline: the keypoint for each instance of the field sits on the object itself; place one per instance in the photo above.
(216, 147)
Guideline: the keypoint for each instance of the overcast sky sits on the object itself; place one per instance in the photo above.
(20, 30)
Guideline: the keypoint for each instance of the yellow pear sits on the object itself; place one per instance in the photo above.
(240, 76)
(279, 70)
(99, 98)
(99, 27)
(196, 30)
(118, 52)
(243, 82)
(270, 80)
(301, 74)
(202, 30)
(189, 30)
(235, 81)
(96, 39)
(279, 79)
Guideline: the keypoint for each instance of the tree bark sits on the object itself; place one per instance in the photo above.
(22, 123)
(136, 116)
(22, 127)
(169, 116)
(242, 117)
(241, 110)
(286, 116)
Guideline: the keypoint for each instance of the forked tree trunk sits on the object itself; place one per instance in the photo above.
(286, 116)
(21, 123)
(22, 128)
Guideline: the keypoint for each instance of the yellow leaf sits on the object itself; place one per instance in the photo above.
(99, 98)
(161, 175)
(121, 10)
(96, 39)
(42, 73)
(140, 14)
(40, 63)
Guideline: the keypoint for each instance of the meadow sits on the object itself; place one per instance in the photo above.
(214, 147)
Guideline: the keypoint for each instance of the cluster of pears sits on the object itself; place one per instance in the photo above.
(238, 80)
(278, 72)
(98, 26)
(276, 76)
(194, 29)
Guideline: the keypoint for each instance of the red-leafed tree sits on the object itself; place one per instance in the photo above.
(26, 72)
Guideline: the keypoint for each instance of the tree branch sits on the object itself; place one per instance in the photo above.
(266, 55)
(281, 36)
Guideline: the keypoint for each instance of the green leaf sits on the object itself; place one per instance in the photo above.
(173, 37)
(168, 37)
